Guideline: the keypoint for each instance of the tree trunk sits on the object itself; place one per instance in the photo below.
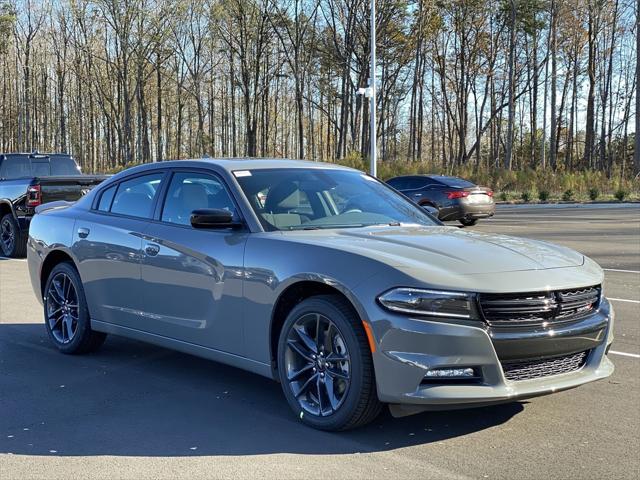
(589, 135)
(508, 157)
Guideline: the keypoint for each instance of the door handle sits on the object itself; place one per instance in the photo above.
(83, 232)
(151, 249)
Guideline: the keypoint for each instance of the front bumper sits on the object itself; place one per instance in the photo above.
(408, 347)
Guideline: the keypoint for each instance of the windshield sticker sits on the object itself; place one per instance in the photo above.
(242, 173)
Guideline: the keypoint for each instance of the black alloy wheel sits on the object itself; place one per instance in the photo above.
(325, 365)
(66, 313)
(62, 308)
(317, 364)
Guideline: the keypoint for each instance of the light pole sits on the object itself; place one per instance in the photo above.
(372, 85)
(370, 93)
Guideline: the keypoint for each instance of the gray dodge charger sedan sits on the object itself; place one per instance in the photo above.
(322, 278)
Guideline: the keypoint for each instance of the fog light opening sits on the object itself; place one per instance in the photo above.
(455, 375)
(451, 372)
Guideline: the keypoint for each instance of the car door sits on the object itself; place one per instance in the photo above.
(420, 190)
(193, 277)
(108, 243)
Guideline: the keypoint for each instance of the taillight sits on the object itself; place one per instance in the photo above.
(34, 196)
(457, 194)
(490, 193)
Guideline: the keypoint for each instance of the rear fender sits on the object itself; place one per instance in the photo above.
(51, 205)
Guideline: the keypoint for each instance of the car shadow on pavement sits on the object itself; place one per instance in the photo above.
(134, 399)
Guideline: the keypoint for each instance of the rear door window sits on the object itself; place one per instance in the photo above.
(136, 197)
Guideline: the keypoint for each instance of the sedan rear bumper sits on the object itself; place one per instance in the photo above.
(461, 210)
(410, 347)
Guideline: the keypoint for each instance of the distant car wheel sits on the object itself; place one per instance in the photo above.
(12, 239)
(325, 365)
(468, 222)
(66, 314)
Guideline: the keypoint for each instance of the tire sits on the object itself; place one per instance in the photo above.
(344, 403)
(468, 222)
(13, 241)
(70, 332)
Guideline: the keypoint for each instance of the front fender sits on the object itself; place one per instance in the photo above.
(272, 265)
(327, 280)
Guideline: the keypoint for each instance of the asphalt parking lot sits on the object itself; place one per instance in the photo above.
(138, 411)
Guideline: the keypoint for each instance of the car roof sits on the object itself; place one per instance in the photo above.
(419, 175)
(233, 164)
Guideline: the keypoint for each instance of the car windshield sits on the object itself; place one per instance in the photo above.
(455, 182)
(313, 198)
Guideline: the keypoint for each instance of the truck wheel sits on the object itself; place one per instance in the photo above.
(66, 314)
(13, 242)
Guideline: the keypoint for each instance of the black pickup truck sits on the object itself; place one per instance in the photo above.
(31, 179)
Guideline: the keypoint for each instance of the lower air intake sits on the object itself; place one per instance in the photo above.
(530, 369)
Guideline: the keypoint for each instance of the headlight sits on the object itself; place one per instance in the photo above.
(428, 302)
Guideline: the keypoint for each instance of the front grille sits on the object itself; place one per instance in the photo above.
(539, 308)
(530, 369)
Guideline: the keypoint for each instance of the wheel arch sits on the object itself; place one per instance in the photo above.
(299, 289)
(7, 207)
(428, 203)
(52, 259)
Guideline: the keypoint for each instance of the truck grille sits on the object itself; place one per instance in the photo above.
(530, 369)
(540, 308)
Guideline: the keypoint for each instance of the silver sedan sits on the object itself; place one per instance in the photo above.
(324, 279)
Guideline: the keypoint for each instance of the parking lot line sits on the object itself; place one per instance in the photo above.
(625, 354)
(620, 270)
(623, 300)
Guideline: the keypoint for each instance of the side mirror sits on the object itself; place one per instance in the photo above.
(213, 218)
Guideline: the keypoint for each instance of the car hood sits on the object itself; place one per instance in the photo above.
(448, 249)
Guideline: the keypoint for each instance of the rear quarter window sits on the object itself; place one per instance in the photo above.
(106, 197)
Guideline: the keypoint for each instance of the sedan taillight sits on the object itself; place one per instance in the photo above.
(457, 194)
(34, 196)
(490, 193)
